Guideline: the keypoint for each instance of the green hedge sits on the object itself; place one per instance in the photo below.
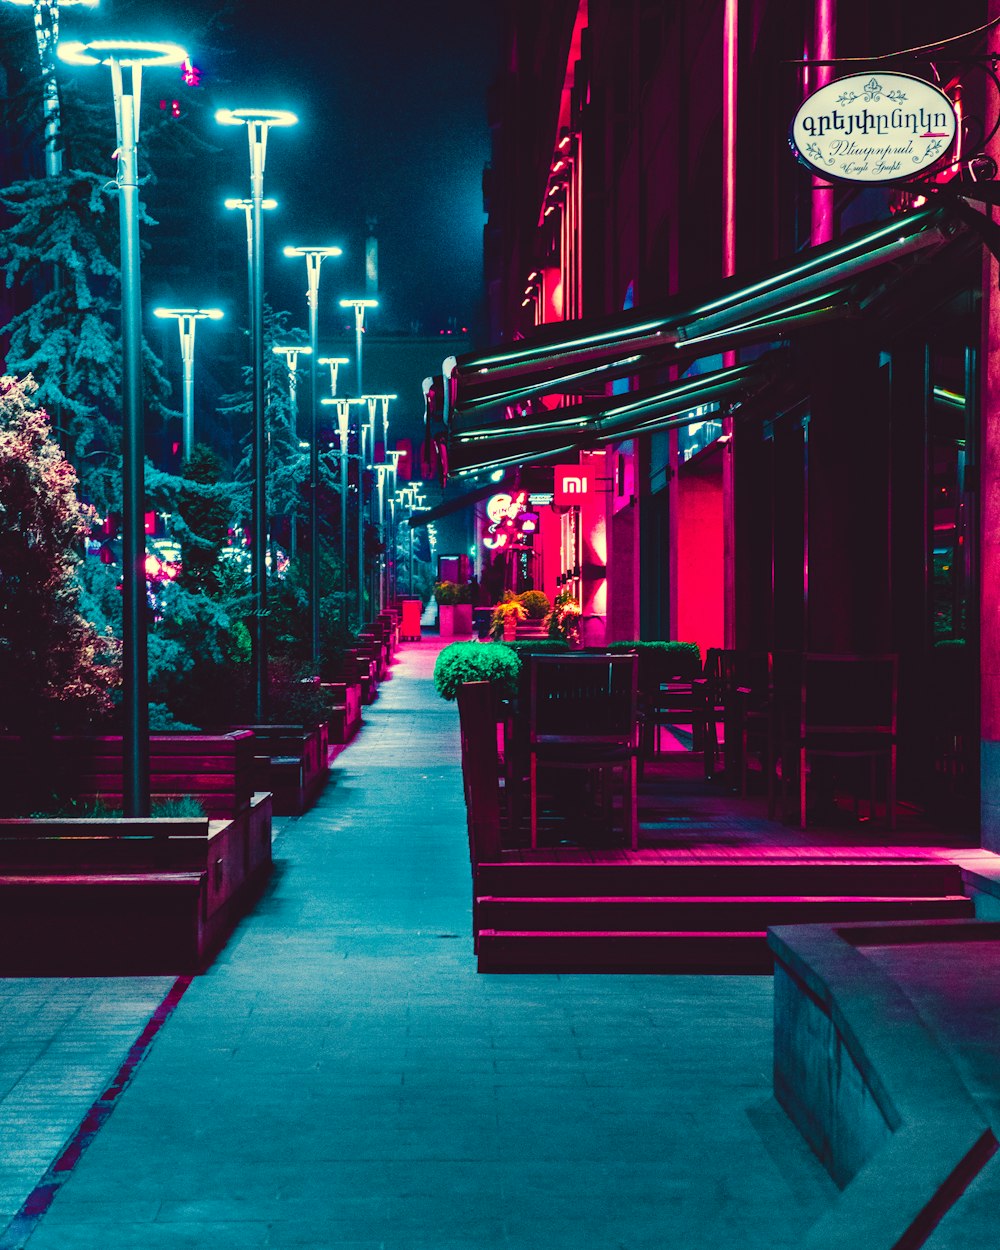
(476, 661)
(659, 661)
(538, 646)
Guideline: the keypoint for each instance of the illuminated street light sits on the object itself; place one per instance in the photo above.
(291, 354)
(334, 362)
(375, 513)
(344, 431)
(314, 259)
(359, 306)
(187, 319)
(126, 60)
(46, 14)
(258, 122)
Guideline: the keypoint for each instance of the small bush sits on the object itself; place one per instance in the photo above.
(446, 593)
(659, 661)
(476, 661)
(538, 646)
(536, 604)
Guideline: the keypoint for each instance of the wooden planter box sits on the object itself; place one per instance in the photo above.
(127, 896)
(345, 715)
(215, 769)
(290, 761)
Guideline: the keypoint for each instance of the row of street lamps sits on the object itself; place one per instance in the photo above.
(126, 60)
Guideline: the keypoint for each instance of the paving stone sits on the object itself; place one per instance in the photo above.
(343, 1077)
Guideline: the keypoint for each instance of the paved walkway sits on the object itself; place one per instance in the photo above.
(343, 1078)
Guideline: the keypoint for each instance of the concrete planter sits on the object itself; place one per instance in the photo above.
(446, 620)
(463, 620)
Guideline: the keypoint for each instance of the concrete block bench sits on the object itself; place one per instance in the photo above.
(118, 896)
(870, 1084)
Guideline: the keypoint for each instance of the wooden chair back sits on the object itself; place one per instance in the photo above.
(584, 698)
(480, 769)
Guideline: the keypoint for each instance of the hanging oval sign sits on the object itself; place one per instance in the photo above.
(874, 128)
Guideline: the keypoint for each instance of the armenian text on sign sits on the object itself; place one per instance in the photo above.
(874, 128)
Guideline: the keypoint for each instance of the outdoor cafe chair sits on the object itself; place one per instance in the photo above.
(846, 712)
(584, 717)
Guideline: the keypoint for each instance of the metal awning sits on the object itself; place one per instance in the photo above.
(573, 356)
(612, 418)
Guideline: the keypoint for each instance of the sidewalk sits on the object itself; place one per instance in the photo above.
(342, 1077)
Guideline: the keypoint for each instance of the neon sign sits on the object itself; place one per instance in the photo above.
(502, 510)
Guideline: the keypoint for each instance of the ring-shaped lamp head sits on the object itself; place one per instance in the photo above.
(251, 117)
(124, 51)
(213, 314)
(314, 251)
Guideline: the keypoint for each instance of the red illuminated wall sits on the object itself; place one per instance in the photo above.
(700, 590)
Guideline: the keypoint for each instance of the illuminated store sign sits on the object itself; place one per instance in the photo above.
(574, 484)
(503, 510)
(874, 128)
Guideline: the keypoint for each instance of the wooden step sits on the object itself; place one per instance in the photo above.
(740, 878)
(658, 951)
(697, 914)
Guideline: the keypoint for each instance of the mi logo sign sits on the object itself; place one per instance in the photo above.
(574, 484)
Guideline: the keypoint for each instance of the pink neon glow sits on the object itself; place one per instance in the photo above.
(824, 49)
(730, 40)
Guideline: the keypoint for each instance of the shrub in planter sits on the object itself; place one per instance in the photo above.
(447, 593)
(476, 661)
(506, 615)
(564, 621)
(659, 661)
(536, 604)
(538, 646)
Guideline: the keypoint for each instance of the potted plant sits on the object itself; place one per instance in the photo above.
(536, 604)
(446, 596)
(506, 614)
(564, 620)
(476, 661)
(463, 611)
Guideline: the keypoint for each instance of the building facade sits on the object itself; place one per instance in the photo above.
(771, 385)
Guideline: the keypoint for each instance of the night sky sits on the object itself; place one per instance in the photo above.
(391, 100)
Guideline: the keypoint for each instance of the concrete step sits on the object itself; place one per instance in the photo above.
(656, 951)
(738, 878)
(701, 914)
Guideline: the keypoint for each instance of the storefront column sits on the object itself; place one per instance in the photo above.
(989, 495)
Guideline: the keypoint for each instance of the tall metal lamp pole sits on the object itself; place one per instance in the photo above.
(187, 319)
(258, 122)
(314, 258)
(126, 59)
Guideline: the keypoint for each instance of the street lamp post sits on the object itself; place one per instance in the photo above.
(344, 431)
(392, 462)
(187, 319)
(258, 122)
(314, 258)
(126, 59)
(291, 353)
(334, 362)
(375, 503)
(359, 306)
(46, 13)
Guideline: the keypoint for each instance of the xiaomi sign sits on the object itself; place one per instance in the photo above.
(574, 484)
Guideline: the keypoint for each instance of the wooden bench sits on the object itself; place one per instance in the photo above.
(214, 769)
(127, 896)
(291, 762)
